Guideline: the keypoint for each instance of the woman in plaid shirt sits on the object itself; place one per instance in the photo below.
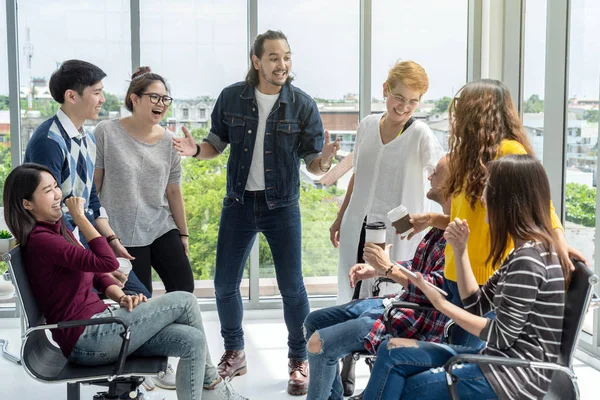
(335, 332)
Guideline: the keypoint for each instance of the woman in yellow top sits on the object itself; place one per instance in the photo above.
(484, 126)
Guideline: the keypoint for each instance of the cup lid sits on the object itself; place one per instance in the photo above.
(375, 225)
(397, 213)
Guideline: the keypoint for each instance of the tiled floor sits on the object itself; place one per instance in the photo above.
(267, 364)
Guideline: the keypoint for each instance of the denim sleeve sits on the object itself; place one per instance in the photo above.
(219, 132)
(311, 137)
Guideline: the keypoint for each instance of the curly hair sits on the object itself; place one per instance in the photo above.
(481, 115)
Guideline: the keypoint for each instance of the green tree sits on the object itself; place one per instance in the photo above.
(591, 115)
(442, 104)
(533, 104)
(581, 204)
(204, 188)
(112, 103)
(4, 102)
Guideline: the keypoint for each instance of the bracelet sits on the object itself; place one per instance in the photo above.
(321, 166)
(183, 235)
(112, 237)
(391, 267)
(197, 150)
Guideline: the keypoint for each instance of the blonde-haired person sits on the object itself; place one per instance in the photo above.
(484, 126)
(393, 156)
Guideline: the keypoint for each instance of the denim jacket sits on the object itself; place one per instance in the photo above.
(293, 131)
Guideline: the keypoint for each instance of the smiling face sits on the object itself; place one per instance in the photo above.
(274, 66)
(45, 204)
(144, 106)
(401, 101)
(86, 105)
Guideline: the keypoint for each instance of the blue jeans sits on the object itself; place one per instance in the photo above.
(168, 325)
(459, 336)
(238, 228)
(414, 373)
(342, 330)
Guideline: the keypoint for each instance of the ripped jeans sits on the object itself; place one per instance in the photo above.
(341, 330)
(414, 372)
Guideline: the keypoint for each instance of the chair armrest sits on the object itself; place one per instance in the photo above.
(504, 361)
(95, 321)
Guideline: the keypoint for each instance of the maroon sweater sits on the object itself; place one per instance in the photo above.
(62, 276)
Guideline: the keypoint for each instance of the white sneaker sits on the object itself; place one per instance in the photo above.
(167, 380)
(148, 384)
(222, 391)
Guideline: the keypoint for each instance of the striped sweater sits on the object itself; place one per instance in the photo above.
(527, 294)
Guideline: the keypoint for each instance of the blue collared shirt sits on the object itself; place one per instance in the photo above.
(294, 130)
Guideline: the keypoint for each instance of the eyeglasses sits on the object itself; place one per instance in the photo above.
(155, 98)
(401, 99)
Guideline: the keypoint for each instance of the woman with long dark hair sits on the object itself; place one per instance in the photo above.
(484, 126)
(62, 274)
(526, 293)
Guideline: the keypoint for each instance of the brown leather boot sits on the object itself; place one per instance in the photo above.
(233, 363)
(298, 383)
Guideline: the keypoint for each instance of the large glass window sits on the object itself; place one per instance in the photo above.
(324, 39)
(5, 161)
(95, 31)
(582, 135)
(408, 30)
(199, 47)
(534, 57)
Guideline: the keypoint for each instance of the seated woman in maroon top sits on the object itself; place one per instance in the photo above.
(62, 273)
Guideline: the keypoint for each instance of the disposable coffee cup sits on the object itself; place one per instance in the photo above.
(124, 266)
(400, 220)
(375, 233)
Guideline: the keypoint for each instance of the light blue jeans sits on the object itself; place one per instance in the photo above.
(415, 373)
(168, 325)
(342, 330)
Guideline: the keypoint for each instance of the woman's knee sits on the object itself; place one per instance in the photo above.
(315, 344)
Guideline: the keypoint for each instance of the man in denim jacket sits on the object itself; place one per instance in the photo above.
(270, 125)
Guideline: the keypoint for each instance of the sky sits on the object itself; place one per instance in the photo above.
(201, 46)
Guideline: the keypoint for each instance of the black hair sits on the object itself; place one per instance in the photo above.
(74, 75)
(258, 49)
(20, 185)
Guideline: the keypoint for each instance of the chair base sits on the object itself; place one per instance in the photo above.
(116, 388)
(7, 354)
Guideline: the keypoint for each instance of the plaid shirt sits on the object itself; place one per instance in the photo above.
(416, 324)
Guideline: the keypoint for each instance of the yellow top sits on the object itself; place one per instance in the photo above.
(478, 243)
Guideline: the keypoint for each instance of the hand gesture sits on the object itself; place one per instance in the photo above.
(131, 301)
(120, 250)
(76, 207)
(433, 295)
(457, 234)
(119, 278)
(185, 243)
(377, 257)
(334, 232)
(419, 222)
(185, 146)
(329, 149)
(361, 272)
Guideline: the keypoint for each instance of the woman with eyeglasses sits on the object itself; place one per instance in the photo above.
(393, 156)
(138, 177)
